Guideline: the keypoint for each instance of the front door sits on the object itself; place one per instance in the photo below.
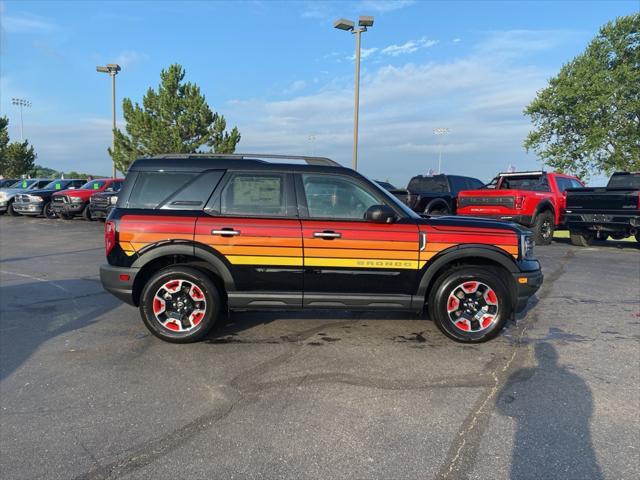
(347, 260)
(257, 231)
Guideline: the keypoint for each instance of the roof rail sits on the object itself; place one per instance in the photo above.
(523, 172)
(252, 156)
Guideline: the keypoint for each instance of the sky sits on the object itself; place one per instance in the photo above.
(284, 76)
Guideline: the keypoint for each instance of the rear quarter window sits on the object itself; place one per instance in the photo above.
(151, 189)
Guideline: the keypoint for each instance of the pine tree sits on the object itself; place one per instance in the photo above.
(174, 119)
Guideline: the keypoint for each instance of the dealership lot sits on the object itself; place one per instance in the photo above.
(86, 392)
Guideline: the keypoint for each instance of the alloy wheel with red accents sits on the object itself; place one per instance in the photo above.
(180, 304)
(471, 304)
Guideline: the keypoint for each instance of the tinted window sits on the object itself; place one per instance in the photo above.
(332, 196)
(42, 183)
(624, 181)
(474, 183)
(151, 188)
(537, 183)
(194, 194)
(57, 185)
(114, 187)
(93, 185)
(436, 184)
(254, 194)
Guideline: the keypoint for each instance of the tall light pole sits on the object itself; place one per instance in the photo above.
(21, 102)
(440, 132)
(349, 26)
(112, 69)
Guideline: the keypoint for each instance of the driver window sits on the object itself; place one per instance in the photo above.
(332, 196)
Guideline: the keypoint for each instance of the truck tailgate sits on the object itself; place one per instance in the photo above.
(593, 199)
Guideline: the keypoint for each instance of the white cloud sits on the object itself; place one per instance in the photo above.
(364, 53)
(456, 40)
(296, 86)
(408, 47)
(24, 22)
(128, 58)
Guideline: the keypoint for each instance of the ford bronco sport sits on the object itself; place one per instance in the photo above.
(194, 235)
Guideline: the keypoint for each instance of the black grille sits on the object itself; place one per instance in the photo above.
(486, 201)
(100, 201)
(60, 199)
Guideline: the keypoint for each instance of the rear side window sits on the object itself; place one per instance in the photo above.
(535, 183)
(193, 195)
(254, 194)
(624, 181)
(151, 188)
(437, 184)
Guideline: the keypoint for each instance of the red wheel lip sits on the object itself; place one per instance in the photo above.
(195, 316)
(463, 323)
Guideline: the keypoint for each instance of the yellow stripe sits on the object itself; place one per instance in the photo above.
(252, 260)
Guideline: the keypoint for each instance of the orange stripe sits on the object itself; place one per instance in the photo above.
(250, 241)
(258, 251)
(360, 244)
(349, 253)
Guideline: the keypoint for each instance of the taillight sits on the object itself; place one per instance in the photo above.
(519, 202)
(109, 236)
(638, 200)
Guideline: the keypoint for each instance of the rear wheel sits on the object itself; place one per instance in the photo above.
(11, 211)
(580, 239)
(180, 304)
(543, 227)
(470, 304)
(86, 214)
(48, 212)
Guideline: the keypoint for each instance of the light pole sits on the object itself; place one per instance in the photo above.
(440, 132)
(112, 69)
(21, 102)
(349, 26)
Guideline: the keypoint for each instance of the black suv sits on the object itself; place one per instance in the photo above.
(435, 194)
(194, 235)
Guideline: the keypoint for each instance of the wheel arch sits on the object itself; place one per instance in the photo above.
(437, 202)
(544, 206)
(467, 255)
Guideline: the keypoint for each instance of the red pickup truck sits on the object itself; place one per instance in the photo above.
(70, 203)
(533, 199)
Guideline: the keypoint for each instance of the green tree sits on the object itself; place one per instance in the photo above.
(19, 158)
(174, 119)
(4, 141)
(588, 118)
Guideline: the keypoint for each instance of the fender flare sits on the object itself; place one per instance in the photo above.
(486, 252)
(543, 206)
(437, 201)
(214, 261)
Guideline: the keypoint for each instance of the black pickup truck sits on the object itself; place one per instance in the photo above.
(435, 194)
(601, 212)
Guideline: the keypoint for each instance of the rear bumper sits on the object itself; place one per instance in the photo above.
(119, 281)
(525, 220)
(605, 222)
(527, 284)
(28, 208)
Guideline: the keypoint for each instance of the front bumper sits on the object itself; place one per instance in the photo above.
(527, 283)
(119, 281)
(99, 212)
(68, 208)
(28, 208)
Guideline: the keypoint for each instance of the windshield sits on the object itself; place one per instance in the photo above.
(393, 199)
(23, 184)
(56, 185)
(93, 185)
(624, 181)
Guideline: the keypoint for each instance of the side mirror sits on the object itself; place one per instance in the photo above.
(113, 200)
(380, 214)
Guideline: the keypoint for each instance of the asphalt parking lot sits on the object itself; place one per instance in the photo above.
(87, 393)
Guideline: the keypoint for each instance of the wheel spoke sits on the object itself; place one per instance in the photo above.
(179, 305)
(472, 306)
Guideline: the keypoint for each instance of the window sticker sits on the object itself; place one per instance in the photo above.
(24, 184)
(58, 186)
(96, 186)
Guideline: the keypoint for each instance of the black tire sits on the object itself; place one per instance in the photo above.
(450, 283)
(47, 211)
(86, 214)
(438, 210)
(211, 302)
(638, 237)
(580, 239)
(11, 211)
(543, 228)
(66, 216)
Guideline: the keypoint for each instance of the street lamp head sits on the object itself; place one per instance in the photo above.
(114, 67)
(21, 102)
(102, 69)
(343, 24)
(365, 21)
(110, 68)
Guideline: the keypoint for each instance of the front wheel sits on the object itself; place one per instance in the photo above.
(48, 212)
(86, 214)
(581, 239)
(11, 211)
(180, 304)
(638, 237)
(470, 305)
(543, 228)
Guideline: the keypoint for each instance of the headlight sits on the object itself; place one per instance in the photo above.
(35, 198)
(76, 199)
(526, 246)
(3, 196)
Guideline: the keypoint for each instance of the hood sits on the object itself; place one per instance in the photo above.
(76, 192)
(12, 191)
(452, 222)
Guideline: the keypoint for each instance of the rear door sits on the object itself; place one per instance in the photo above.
(349, 261)
(253, 225)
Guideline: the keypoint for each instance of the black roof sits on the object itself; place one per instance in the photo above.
(207, 161)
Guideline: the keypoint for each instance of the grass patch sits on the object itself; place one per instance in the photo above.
(565, 234)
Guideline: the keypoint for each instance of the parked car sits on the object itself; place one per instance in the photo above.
(601, 212)
(7, 195)
(38, 202)
(194, 235)
(386, 185)
(71, 203)
(533, 199)
(435, 194)
(101, 204)
(7, 182)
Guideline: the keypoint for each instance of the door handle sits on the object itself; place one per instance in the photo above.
(225, 232)
(327, 235)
